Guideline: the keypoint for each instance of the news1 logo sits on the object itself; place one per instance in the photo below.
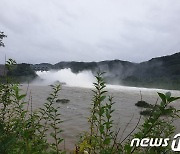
(157, 142)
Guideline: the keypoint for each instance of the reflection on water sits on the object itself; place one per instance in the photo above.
(75, 113)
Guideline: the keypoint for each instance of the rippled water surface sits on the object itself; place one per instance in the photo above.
(76, 112)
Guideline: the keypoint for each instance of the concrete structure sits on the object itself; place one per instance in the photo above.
(3, 71)
(41, 67)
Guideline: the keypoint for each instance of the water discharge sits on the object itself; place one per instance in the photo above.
(81, 79)
(84, 79)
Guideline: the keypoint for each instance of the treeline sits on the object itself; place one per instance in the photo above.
(19, 72)
(161, 72)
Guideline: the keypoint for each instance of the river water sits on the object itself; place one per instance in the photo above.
(75, 113)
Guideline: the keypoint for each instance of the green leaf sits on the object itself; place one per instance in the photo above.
(102, 98)
(101, 129)
(162, 96)
(171, 99)
(127, 148)
(107, 141)
(21, 97)
(101, 112)
(168, 95)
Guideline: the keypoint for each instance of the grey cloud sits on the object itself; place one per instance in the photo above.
(91, 30)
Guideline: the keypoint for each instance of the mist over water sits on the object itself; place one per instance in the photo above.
(81, 79)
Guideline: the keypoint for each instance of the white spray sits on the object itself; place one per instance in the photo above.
(81, 79)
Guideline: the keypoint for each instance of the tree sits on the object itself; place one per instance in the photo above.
(2, 35)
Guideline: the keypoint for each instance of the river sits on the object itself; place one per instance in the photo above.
(75, 113)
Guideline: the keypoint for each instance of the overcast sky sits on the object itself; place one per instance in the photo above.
(89, 30)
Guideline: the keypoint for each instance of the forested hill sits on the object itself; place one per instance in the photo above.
(167, 66)
(160, 72)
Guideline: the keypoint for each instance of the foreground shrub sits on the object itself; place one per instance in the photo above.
(159, 124)
(24, 131)
(101, 137)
